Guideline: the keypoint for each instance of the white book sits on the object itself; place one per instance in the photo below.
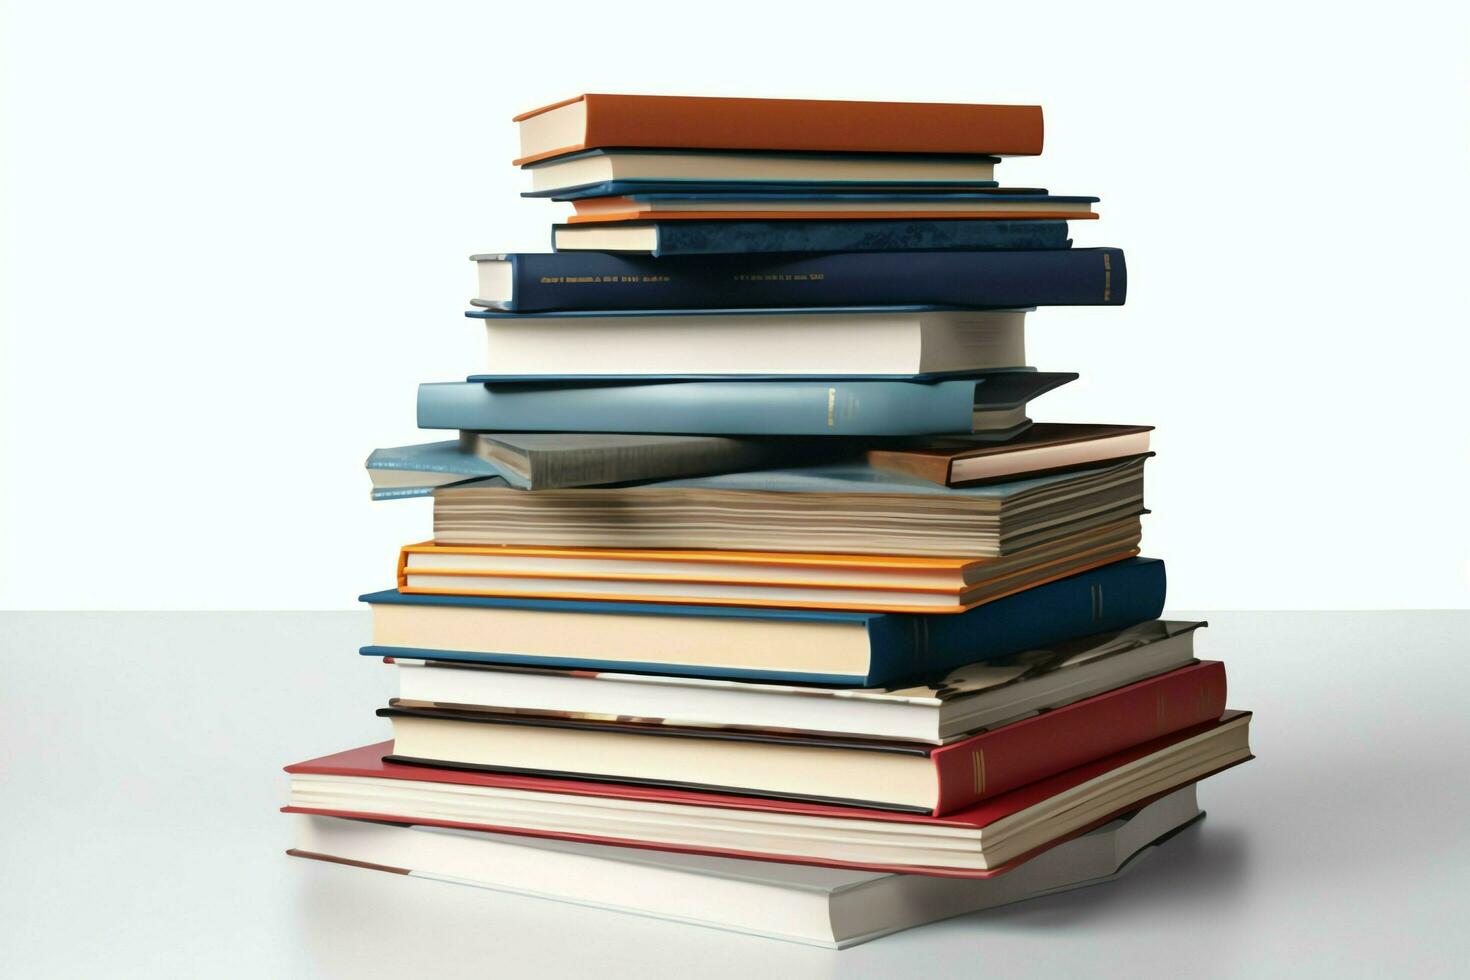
(778, 342)
(935, 710)
(796, 903)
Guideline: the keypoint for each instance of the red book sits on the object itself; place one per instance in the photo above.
(798, 125)
(1013, 755)
(980, 841)
(815, 768)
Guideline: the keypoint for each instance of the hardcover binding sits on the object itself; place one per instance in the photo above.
(692, 122)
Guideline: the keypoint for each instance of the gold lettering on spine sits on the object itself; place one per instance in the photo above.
(831, 406)
(977, 768)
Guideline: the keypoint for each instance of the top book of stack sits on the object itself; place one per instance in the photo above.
(797, 125)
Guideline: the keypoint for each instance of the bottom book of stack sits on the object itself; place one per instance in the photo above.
(820, 906)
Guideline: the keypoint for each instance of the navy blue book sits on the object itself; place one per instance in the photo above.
(989, 405)
(745, 237)
(856, 649)
(530, 282)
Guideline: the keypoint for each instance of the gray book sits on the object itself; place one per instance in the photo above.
(558, 460)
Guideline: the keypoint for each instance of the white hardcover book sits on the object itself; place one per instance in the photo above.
(792, 902)
(778, 342)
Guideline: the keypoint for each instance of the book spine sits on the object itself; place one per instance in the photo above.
(745, 237)
(1014, 755)
(706, 408)
(1108, 598)
(572, 281)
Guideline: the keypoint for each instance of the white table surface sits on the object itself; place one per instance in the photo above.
(140, 781)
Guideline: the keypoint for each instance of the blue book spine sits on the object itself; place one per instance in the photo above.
(746, 237)
(772, 408)
(900, 645)
(975, 279)
(1108, 598)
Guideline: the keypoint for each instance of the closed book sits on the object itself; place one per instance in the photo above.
(557, 460)
(992, 837)
(824, 907)
(1046, 447)
(530, 282)
(997, 203)
(842, 507)
(811, 646)
(693, 122)
(762, 189)
(821, 769)
(886, 583)
(936, 709)
(884, 343)
(734, 237)
(756, 167)
(991, 403)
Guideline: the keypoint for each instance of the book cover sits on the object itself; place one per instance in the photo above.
(692, 122)
(368, 762)
(765, 408)
(967, 771)
(975, 279)
(1046, 447)
(899, 645)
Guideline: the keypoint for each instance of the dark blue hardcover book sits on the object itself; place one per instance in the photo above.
(881, 648)
(745, 237)
(529, 282)
(745, 188)
(988, 405)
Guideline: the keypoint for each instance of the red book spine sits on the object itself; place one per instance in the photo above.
(1014, 755)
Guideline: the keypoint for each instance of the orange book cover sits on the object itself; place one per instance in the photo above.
(797, 125)
(938, 575)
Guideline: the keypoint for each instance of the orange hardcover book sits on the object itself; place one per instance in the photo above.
(595, 121)
(884, 583)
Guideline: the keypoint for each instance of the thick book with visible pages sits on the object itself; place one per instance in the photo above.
(810, 646)
(792, 580)
(897, 343)
(734, 237)
(597, 120)
(827, 907)
(988, 839)
(530, 282)
(937, 709)
(1045, 447)
(820, 769)
(755, 167)
(993, 404)
(837, 508)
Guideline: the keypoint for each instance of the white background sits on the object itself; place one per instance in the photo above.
(235, 240)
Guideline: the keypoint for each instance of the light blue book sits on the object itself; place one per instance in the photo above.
(992, 404)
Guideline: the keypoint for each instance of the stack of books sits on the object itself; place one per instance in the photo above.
(755, 598)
